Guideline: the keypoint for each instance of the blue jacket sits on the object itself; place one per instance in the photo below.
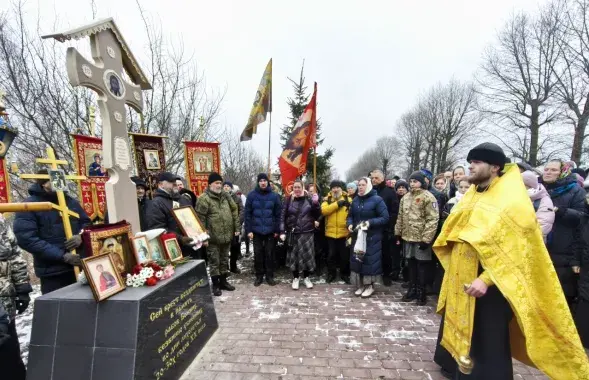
(42, 233)
(371, 208)
(262, 212)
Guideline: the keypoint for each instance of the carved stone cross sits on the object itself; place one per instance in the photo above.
(105, 77)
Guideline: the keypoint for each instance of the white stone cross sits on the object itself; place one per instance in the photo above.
(105, 77)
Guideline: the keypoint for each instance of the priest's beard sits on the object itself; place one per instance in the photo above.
(337, 194)
(216, 191)
(481, 177)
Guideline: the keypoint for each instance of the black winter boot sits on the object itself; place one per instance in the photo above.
(259, 280)
(421, 299)
(224, 285)
(216, 289)
(411, 294)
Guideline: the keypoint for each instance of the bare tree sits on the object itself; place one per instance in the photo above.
(179, 106)
(241, 163)
(517, 83)
(567, 20)
(387, 153)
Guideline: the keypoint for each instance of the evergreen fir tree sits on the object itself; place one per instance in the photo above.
(297, 106)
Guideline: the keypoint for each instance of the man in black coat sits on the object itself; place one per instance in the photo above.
(391, 254)
(43, 236)
(142, 201)
(159, 212)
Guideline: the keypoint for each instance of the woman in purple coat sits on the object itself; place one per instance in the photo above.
(297, 226)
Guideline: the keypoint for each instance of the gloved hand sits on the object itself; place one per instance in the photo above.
(73, 242)
(22, 302)
(315, 198)
(341, 203)
(4, 334)
(282, 237)
(423, 246)
(73, 260)
(187, 240)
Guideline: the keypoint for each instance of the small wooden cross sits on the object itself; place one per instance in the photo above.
(62, 204)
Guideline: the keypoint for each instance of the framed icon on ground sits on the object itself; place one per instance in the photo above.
(172, 248)
(114, 239)
(103, 276)
(141, 249)
(189, 222)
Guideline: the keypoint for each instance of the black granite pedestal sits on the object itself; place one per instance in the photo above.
(140, 333)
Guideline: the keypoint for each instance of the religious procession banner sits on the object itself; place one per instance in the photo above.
(293, 160)
(4, 182)
(201, 159)
(88, 158)
(150, 158)
(262, 104)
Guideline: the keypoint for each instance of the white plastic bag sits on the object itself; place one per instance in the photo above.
(360, 246)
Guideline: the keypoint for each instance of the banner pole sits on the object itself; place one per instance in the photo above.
(315, 168)
(269, 145)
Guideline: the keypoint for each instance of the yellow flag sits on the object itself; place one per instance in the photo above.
(262, 104)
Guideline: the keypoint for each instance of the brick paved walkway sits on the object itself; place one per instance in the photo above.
(323, 333)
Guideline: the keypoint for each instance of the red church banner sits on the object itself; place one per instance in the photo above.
(150, 158)
(4, 182)
(201, 160)
(88, 157)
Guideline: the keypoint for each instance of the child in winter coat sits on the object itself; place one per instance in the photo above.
(541, 200)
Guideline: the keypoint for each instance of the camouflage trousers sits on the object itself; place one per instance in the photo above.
(218, 255)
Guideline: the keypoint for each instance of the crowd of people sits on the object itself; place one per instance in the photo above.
(491, 235)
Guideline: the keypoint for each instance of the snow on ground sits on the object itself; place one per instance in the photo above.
(24, 324)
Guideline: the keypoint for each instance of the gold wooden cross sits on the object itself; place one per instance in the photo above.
(62, 204)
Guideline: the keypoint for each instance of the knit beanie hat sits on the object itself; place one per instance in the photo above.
(420, 177)
(401, 183)
(228, 184)
(337, 183)
(352, 185)
(429, 175)
(488, 152)
(262, 176)
(214, 177)
(530, 179)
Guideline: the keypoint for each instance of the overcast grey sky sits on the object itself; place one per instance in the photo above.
(371, 59)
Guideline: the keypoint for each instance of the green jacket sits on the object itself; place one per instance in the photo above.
(219, 214)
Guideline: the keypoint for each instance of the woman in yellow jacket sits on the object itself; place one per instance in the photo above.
(335, 210)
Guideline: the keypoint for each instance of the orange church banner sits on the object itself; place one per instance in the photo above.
(88, 157)
(201, 159)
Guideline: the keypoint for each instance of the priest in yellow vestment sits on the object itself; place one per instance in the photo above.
(500, 296)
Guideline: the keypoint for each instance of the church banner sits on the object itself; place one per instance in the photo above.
(201, 159)
(88, 157)
(4, 182)
(150, 158)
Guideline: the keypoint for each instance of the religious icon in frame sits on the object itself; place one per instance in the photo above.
(152, 159)
(114, 84)
(141, 249)
(93, 160)
(58, 180)
(189, 222)
(102, 276)
(172, 248)
(113, 239)
(203, 162)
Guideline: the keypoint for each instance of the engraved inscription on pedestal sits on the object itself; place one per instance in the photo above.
(121, 153)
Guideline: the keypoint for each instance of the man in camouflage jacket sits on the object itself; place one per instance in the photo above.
(417, 224)
(14, 297)
(219, 214)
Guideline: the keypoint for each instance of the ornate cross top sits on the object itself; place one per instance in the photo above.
(56, 175)
(105, 76)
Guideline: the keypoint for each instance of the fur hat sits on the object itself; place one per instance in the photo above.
(488, 152)
(337, 183)
(214, 177)
(262, 176)
(530, 179)
(420, 177)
